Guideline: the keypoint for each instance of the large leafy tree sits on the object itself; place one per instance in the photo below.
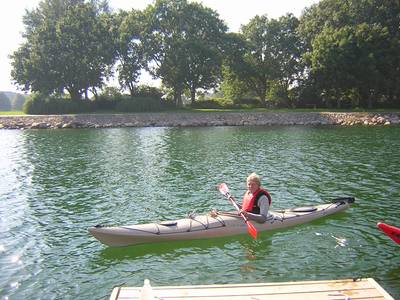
(184, 45)
(352, 58)
(68, 46)
(271, 54)
(353, 49)
(130, 49)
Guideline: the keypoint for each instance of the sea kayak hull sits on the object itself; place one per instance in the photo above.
(207, 226)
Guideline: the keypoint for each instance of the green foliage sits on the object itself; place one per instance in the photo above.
(108, 99)
(39, 104)
(147, 91)
(5, 104)
(142, 104)
(215, 103)
(232, 87)
(278, 95)
(271, 52)
(340, 53)
(68, 47)
(130, 48)
(353, 50)
(184, 39)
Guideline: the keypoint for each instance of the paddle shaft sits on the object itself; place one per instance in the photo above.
(233, 201)
(223, 188)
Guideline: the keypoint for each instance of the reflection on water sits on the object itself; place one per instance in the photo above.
(56, 183)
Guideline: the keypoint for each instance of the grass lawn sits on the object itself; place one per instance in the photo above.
(11, 113)
(241, 110)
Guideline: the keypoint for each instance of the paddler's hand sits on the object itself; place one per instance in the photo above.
(243, 212)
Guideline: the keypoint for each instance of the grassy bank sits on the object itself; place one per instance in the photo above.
(241, 110)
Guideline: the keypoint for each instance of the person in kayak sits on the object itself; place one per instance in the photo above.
(256, 201)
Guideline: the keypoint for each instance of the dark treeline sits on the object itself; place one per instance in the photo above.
(339, 53)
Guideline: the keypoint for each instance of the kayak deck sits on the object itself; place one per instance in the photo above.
(208, 226)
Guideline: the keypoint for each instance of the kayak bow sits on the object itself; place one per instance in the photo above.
(391, 231)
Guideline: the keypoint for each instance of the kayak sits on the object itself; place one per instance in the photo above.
(221, 224)
(391, 231)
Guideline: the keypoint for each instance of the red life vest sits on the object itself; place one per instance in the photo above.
(250, 203)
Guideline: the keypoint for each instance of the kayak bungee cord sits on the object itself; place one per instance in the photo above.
(192, 218)
(206, 226)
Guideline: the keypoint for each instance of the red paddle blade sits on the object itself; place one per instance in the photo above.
(252, 230)
(223, 188)
(391, 231)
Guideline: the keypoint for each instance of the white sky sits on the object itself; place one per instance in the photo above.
(233, 12)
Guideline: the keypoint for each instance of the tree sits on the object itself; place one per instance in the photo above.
(68, 47)
(130, 49)
(353, 49)
(184, 45)
(352, 58)
(4, 102)
(272, 53)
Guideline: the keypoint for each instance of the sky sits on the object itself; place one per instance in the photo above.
(233, 12)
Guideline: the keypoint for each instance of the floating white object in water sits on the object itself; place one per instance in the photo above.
(146, 293)
(16, 259)
(342, 242)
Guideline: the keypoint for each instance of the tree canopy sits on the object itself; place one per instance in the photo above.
(68, 47)
(353, 49)
(185, 41)
(342, 51)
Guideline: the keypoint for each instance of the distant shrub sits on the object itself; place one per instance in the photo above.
(142, 104)
(146, 91)
(108, 99)
(214, 103)
(40, 104)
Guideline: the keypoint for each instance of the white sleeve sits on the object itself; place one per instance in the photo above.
(263, 204)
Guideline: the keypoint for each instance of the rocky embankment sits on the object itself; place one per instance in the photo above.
(185, 119)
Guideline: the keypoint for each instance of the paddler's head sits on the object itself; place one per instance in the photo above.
(253, 182)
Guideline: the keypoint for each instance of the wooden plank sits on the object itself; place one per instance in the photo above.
(380, 289)
(328, 289)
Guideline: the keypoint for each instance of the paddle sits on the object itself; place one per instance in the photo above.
(223, 188)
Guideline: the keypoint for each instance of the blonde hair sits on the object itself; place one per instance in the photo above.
(254, 178)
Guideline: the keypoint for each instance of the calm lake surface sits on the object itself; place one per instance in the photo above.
(56, 183)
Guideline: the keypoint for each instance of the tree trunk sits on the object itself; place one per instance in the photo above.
(74, 94)
(178, 98)
(263, 94)
(192, 95)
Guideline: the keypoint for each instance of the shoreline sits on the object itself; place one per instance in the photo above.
(197, 119)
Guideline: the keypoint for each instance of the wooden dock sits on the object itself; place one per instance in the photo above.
(345, 289)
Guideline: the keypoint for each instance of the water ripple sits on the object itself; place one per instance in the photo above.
(57, 183)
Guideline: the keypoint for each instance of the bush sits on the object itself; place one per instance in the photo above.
(142, 104)
(108, 99)
(146, 91)
(40, 104)
(214, 103)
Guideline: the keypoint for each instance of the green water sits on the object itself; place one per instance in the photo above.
(56, 183)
